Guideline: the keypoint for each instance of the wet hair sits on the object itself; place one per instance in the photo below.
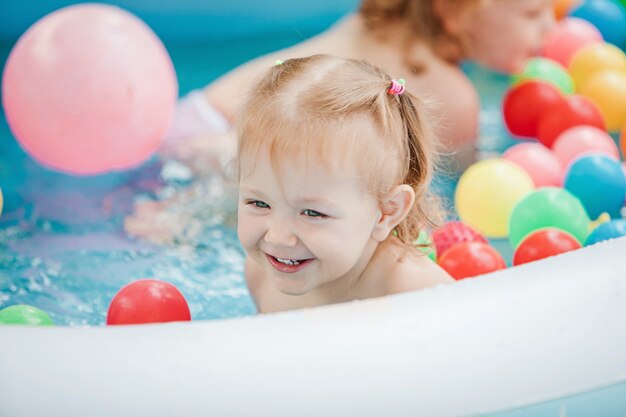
(339, 111)
(423, 20)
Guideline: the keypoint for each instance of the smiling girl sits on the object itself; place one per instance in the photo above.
(334, 165)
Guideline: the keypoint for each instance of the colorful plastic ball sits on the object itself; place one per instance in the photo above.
(598, 181)
(539, 162)
(148, 301)
(547, 70)
(567, 37)
(606, 231)
(548, 207)
(525, 103)
(575, 110)
(580, 140)
(563, 7)
(455, 232)
(607, 89)
(470, 259)
(608, 16)
(89, 89)
(595, 58)
(487, 192)
(25, 315)
(544, 243)
(424, 243)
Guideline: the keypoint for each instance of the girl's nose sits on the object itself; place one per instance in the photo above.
(280, 234)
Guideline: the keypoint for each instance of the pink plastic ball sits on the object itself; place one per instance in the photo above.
(89, 89)
(579, 140)
(567, 37)
(539, 162)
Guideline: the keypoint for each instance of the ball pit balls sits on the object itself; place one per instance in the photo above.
(580, 140)
(487, 192)
(25, 315)
(544, 243)
(539, 162)
(598, 182)
(595, 58)
(453, 233)
(567, 37)
(609, 16)
(524, 104)
(575, 110)
(607, 89)
(548, 207)
(547, 70)
(148, 301)
(606, 231)
(470, 259)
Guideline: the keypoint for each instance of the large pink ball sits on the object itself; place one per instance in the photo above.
(539, 162)
(89, 89)
(567, 37)
(580, 140)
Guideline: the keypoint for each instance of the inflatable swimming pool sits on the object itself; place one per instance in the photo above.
(544, 339)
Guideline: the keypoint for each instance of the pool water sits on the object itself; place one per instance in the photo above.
(63, 247)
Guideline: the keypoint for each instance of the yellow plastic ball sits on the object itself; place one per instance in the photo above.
(608, 90)
(595, 58)
(487, 192)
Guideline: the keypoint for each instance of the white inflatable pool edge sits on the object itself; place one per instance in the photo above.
(528, 334)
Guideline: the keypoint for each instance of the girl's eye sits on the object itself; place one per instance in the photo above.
(313, 213)
(258, 204)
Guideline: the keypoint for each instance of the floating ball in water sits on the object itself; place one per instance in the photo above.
(608, 16)
(470, 259)
(487, 192)
(567, 37)
(525, 103)
(595, 58)
(580, 140)
(148, 301)
(453, 233)
(606, 231)
(575, 110)
(544, 243)
(539, 162)
(26, 315)
(89, 89)
(598, 181)
(548, 207)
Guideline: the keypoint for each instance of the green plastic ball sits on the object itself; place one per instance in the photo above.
(25, 315)
(545, 69)
(548, 207)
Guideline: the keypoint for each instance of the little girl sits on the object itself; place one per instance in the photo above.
(334, 163)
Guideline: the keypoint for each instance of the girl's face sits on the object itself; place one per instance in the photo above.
(306, 226)
(503, 34)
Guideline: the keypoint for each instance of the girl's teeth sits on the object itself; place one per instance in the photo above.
(288, 261)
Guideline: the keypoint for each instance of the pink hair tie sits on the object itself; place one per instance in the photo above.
(397, 87)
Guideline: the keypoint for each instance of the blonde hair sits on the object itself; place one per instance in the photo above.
(424, 22)
(340, 109)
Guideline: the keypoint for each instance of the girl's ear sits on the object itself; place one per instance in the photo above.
(394, 209)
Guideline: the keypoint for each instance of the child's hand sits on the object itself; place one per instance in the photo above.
(195, 117)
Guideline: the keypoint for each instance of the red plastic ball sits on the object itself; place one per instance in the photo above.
(573, 111)
(470, 259)
(148, 301)
(453, 233)
(544, 243)
(524, 104)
